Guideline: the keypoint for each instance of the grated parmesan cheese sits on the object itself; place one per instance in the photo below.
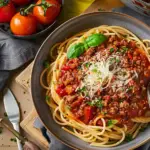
(101, 71)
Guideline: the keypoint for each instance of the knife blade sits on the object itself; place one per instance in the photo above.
(11, 106)
(13, 113)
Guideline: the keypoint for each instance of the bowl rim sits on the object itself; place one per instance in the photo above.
(36, 57)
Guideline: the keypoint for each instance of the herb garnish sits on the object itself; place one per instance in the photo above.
(101, 9)
(5, 114)
(13, 140)
(97, 102)
(124, 49)
(142, 129)
(1, 130)
(82, 89)
(46, 64)
(75, 50)
(87, 64)
(79, 68)
(121, 100)
(113, 60)
(68, 107)
(47, 98)
(117, 60)
(111, 50)
(103, 113)
(94, 70)
(128, 138)
(93, 40)
(111, 122)
(130, 88)
(125, 36)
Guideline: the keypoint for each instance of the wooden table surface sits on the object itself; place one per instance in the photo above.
(23, 97)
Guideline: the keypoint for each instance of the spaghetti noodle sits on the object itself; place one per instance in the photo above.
(99, 95)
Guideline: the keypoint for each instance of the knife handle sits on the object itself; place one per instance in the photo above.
(16, 127)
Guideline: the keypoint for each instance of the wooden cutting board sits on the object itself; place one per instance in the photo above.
(24, 79)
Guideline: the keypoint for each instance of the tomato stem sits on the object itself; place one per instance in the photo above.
(45, 5)
(4, 2)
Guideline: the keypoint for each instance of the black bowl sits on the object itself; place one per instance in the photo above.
(64, 31)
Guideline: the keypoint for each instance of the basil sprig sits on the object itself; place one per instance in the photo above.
(76, 50)
(79, 48)
(95, 40)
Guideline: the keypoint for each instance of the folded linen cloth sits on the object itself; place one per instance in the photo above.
(54, 143)
(13, 54)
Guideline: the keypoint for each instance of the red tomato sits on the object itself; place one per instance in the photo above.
(21, 2)
(61, 91)
(65, 67)
(51, 12)
(130, 56)
(88, 114)
(7, 12)
(23, 25)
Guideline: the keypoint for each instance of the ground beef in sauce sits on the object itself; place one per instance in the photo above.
(122, 104)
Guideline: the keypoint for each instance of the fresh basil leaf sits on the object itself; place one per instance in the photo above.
(75, 50)
(86, 46)
(95, 39)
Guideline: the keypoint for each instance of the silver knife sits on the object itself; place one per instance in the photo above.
(12, 110)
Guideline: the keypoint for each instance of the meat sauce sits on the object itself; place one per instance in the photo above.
(112, 104)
